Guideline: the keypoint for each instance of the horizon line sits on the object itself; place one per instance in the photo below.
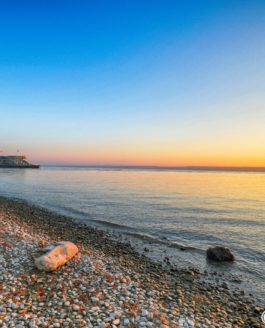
(171, 167)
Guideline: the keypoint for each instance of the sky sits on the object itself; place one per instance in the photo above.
(163, 83)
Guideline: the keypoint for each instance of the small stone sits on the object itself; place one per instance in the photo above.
(144, 313)
(116, 322)
(224, 285)
(76, 307)
(126, 322)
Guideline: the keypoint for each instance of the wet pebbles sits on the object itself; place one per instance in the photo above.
(107, 285)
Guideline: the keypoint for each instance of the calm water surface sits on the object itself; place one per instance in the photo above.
(191, 208)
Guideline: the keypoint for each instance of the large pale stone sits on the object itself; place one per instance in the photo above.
(57, 256)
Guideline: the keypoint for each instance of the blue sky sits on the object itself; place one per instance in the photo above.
(133, 82)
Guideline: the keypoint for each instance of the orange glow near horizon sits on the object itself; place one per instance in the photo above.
(145, 157)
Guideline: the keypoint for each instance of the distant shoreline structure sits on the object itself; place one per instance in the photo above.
(16, 162)
(166, 168)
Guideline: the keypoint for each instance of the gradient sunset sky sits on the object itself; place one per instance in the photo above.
(133, 82)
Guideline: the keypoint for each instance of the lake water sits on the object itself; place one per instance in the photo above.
(167, 207)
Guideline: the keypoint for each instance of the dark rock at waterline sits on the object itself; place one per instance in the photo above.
(219, 254)
(224, 285)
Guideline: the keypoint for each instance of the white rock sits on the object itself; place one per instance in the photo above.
(144, 313)
(57, 257)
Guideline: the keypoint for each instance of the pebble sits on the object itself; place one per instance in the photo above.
(116, 322)
(144, 313)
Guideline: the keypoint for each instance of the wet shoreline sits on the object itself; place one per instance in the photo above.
(194, 300)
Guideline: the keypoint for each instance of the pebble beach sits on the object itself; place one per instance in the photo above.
(108, 284)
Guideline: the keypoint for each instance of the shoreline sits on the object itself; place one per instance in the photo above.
(166, 297)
